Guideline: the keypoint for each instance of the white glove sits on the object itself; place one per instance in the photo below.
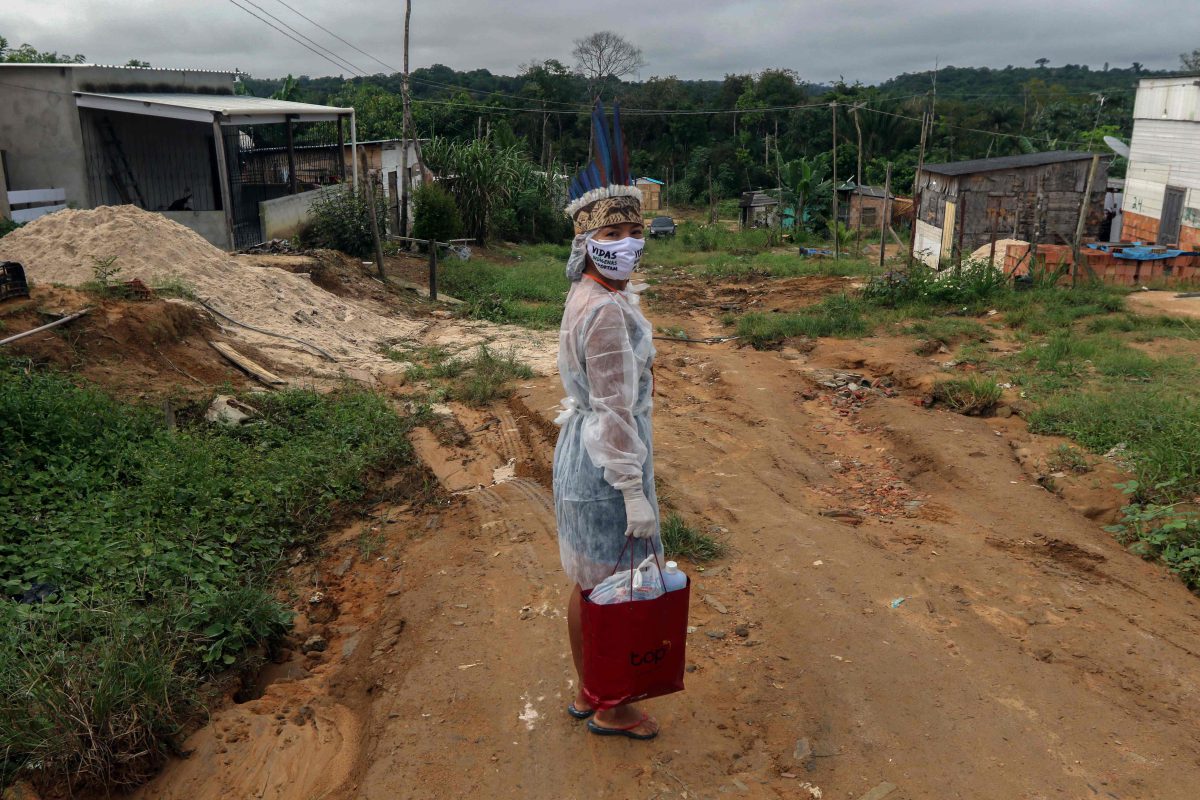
(639, 514)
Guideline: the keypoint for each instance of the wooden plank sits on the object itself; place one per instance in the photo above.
(254, 369)
(37, 196)
(30, 214)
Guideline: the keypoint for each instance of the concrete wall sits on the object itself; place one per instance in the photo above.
(209, 224)
(40, 126)
(285, 216)
(40, 132)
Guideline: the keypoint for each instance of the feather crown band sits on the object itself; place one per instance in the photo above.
(607, 176)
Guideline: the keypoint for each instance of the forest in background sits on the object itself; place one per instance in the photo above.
(740, 131)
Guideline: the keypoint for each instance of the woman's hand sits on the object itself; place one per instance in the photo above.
(640, 522)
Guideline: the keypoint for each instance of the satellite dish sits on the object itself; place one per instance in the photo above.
(1117, 146)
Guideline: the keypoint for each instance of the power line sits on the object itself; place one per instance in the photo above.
(425, 81)
(293, 38)
(315, 43)
(334, 35)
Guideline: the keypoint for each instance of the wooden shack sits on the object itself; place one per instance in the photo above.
(1031, 197)
(651, 193)
(865, 205)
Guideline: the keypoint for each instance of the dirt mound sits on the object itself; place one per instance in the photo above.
(64, 248)
(132, 349)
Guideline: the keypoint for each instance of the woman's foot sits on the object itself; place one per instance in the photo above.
(626, 721)
(580, 708)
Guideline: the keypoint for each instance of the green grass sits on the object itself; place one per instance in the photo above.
(529, 292)
(948, 330)
(838, 316)
(477, 380)
(974, 395)
(682, 540)
(151, 552)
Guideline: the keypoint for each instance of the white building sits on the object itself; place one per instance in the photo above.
(1162, 185)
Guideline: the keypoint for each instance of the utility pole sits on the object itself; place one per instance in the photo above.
(858, 179)
(837, 250)
(408, 120)
(912, 239)
(887, 212)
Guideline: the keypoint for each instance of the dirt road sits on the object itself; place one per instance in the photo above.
(922, 619)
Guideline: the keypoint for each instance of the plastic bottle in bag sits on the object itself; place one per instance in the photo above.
(674, 577)
(642, 583)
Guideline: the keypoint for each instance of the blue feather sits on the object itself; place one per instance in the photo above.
(620, 172)
(603, 157)
(610, 159)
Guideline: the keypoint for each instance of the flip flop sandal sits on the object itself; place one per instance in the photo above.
(577, 714)
(626, 730)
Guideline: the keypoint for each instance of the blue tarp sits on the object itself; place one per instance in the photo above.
(1139, 251)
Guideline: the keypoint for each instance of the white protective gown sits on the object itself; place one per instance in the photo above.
(605, 351)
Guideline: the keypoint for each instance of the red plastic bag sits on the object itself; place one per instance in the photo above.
(634, 650)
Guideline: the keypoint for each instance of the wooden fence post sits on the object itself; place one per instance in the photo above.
(886, 218)
(433, 248)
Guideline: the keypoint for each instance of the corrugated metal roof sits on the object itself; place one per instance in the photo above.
(72, 65)
(227, 104)
(1006, 162)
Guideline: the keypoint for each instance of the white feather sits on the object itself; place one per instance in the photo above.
(604, 192)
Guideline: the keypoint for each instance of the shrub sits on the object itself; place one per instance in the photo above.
(340, 220)
(435, 214)
(7, 226)
(974, 395)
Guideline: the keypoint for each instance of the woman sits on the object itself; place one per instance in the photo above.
(603, 462)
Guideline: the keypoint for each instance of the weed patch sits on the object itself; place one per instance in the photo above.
(135, 558)
(971, 396)
(838, 315)
(479, 380)
(682, 540)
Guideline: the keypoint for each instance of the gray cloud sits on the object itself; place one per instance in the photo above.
(867, 40)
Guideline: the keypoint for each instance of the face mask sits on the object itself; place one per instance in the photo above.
(616, 260)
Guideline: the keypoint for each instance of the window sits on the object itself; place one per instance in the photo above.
(870, 216)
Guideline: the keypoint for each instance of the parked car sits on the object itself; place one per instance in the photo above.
(662, 226)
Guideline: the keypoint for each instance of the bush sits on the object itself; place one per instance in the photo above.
(974, 395)
(973, 282)
(340, 220)
(435, 214)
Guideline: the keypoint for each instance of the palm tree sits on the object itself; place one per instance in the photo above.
(807, 181)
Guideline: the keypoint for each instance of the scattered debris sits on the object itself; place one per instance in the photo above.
(879, 792)
(314, 644)
(899, 601)
(715, 604)
(227, 410)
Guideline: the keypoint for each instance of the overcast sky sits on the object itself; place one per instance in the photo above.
(867, 40)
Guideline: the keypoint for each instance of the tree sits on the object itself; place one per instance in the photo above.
(1137, 67)
(1190, 61)
(1042, 62)
(28, 54)
(605, 55)
(134, 62)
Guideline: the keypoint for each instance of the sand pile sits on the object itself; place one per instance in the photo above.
(63, 248)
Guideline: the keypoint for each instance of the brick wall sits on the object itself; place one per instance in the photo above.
(1138, 228)
(1104, 266)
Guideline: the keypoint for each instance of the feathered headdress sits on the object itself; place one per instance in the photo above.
(603, 194)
